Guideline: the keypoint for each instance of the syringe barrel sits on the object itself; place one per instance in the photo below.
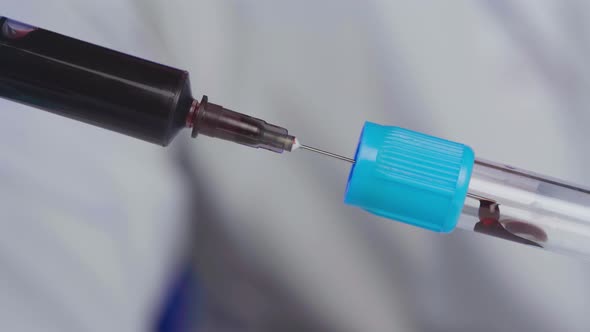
(528, 208)
(93, 84)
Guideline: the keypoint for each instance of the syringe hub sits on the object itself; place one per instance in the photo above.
(215, 121)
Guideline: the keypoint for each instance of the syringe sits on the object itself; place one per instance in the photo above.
(117, 91)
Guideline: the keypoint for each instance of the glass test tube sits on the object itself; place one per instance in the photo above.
(527, 208)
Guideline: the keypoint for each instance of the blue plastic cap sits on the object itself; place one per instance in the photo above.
(410, 177)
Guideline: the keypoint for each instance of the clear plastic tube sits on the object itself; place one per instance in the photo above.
(527, 208)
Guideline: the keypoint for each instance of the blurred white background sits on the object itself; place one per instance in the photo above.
(92, 221)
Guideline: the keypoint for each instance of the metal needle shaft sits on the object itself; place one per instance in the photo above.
(326, 153)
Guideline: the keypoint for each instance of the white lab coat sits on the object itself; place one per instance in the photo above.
(92, 220)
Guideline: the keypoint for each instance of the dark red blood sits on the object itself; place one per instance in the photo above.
(522, 228)
(489, 216)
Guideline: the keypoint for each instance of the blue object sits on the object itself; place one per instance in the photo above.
(410, 177)
(182, 303)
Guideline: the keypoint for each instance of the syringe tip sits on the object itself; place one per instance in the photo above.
(296, 144)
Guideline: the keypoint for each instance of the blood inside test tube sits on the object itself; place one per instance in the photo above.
(527, 208)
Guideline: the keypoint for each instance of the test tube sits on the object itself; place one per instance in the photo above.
(527, 208)
(439, 185)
